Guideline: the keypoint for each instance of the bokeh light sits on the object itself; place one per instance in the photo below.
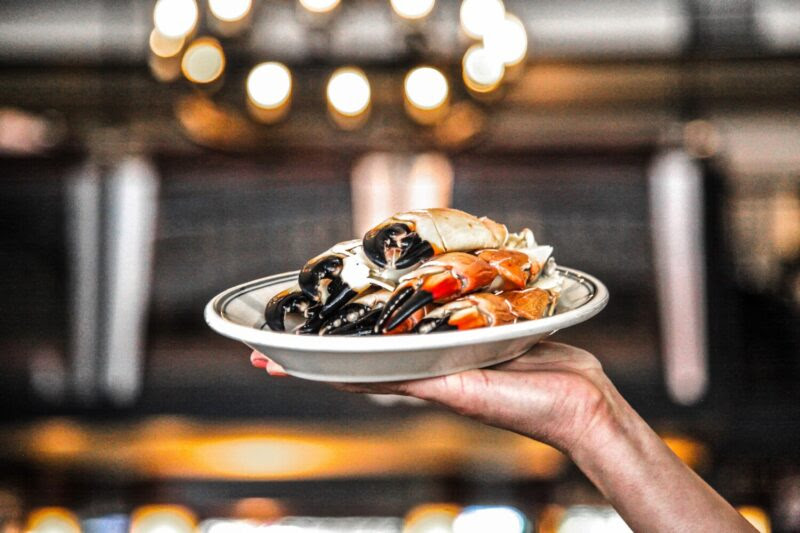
(164, 46)
(479, 16)
(497, 519)
(204, 61)
(52, 520)
(349, 91)
(230, 10)
(431, 518)
(426, 94)
(757, 517)
(508, 40)
(591, 519)
(319, 6)
(175, 18)
(482, 70)
(269, 85)
(426, 88)
(413, 9)
(163, 519)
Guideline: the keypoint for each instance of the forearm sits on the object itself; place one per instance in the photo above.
(648, 484)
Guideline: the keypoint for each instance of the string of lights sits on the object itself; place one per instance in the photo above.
(498, 43)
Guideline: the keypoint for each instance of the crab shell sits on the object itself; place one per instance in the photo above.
(451, 230)
(481, 309)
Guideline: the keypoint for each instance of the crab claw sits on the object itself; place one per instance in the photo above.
(411, 304)
(532, 303)
(284, 303)
(316, 271)
(438, 281)
(363, 323)
(349, 315)
(320, 281)
(396, 245)
(474, 311)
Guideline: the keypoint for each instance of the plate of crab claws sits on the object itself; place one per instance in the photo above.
(425, 293)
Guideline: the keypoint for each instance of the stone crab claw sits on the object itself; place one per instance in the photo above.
(287, 303)
(335, 277)
(478, 310)
(408, 239)
(484, 309)
(456, 274)
(357, 317)
(438, 281)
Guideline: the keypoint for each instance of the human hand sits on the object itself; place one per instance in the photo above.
(558, 394)
(554, 393)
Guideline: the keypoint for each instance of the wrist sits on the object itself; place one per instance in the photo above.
(601, 428)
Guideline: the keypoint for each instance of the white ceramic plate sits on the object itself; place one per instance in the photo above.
(238, 313)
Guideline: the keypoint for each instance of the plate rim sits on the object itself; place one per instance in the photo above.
(214, 317)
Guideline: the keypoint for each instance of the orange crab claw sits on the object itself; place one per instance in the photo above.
(515, 268)
(470, 312)
(411, 322)
(531, 303)
(445, 278)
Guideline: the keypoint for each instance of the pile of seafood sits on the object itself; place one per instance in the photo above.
(420, 272)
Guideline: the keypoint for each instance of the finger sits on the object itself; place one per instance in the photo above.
(259, 360)
(551, 355)
(275, 370)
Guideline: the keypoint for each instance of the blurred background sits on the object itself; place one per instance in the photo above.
(154, 154)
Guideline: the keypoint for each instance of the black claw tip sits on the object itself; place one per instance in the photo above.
(399, 242)
(313, 272)
(336, 301)
(394, 302)
(416, 253)
(417, 301)
(283, 304)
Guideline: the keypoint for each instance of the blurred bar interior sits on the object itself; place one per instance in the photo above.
(153, 154)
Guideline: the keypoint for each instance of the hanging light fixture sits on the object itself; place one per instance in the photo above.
(175, 18)
(349, 95)
(269, 91)
(230, 10)
(426, 94)
(204, 61)
(319, 6)
(413, 9)
(482, 70)
(508, 40)
(479, 16)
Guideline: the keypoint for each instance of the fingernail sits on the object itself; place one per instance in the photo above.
(274, 369)
(258, 360)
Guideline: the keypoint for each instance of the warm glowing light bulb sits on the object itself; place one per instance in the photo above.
(499, 519)
(413, 9)
(508, 40)
(426, 88)
(478, 16)
(175, 18)
(52, 520)
(319, 6)
(757, 518)
(203, 61)
(269, 85)
(483, 71)
(348, 91)
(162, 519)
(230, 10)
(164, 46)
